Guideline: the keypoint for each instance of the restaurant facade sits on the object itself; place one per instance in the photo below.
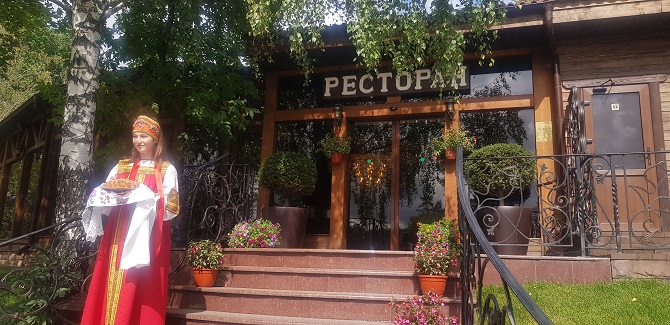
(611, 55)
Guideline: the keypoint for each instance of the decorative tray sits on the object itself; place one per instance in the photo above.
(120, 185)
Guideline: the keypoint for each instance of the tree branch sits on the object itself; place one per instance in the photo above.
(114, 7)
(64, 5)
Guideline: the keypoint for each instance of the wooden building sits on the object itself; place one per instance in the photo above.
(614, 52)
(28, 167)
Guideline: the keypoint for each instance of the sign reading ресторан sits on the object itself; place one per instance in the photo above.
(392, 83)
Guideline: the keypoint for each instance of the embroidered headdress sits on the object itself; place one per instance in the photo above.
(145, 124)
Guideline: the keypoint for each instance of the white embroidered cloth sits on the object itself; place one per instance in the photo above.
(136, 246)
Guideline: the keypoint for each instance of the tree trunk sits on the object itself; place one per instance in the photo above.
(75, 164)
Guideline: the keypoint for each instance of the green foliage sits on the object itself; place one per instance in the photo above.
(495, 127)
(500, 176)
(30, 292)
(453, 138)
(33, 59)
(205, 254)
(260, 233)
(621, 302)
(183, 57)
(330, 144)
(438, 247)
(406, 32)
(289, 174)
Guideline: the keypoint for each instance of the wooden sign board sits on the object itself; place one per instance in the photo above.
(391, 83)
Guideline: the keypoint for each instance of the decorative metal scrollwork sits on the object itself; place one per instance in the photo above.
(54, 270)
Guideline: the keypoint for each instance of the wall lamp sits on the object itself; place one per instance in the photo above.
(337, 114)
(601, 89)
(450, 102)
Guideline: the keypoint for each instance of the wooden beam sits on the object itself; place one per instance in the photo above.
(657, 78)
(268, 137)
(450, 183)
(507, 102)
(434, 108)
(339, 196)
(21, 195)
(314, 114)
(547, 129)
(43, 184)
(4, 186)
(521, 22)
(568, 12)
(395, 186)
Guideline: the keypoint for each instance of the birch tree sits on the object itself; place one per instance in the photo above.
(75, 163)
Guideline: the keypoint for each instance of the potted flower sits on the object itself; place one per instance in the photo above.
(451, 139)
(291, 176)
(423, 309)
(335, 148)
(436, 254)
(259, 233)
(205, 257)
(500, 180)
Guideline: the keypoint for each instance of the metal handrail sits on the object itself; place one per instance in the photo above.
(508, 279)
(39, 231)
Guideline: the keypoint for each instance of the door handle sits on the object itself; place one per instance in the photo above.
(648, 156)
(589, 141)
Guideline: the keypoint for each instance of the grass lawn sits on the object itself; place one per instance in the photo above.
(622, 302)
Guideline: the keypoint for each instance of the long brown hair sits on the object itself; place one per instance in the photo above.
(159, 152)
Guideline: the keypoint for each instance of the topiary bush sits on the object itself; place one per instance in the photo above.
(500, 176)
(290, 174)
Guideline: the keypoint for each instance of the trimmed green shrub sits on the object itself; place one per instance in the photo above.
(291, 175)
(500, 176)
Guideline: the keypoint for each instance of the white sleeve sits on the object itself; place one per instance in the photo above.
(112, 173)
(171, 192)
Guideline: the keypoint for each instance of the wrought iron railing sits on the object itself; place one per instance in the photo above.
(53, 269)
(474, 306)
(583, 204)
(215, 196)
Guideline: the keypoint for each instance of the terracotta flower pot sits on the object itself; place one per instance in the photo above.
(450, 154)
(436, 283)
(205, 277)
(336, 158)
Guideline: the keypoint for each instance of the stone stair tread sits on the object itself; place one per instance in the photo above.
(325, 271)
(252, 319)
(320, 251)
(298, 294)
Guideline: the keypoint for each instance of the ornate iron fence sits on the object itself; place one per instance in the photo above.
(215, 197)
(474, 306)
(53, 268)
(586, 204)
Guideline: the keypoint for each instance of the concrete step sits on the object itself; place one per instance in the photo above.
(185, 316)
(321, 258)
(292, 303)
(322, 279)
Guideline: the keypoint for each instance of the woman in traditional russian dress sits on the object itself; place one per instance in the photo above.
(130, 278)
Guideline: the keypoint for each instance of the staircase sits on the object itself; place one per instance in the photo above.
(300, 286)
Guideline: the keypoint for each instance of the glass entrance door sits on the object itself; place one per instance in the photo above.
(394, 182)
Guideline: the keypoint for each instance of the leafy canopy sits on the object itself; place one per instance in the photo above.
(181, 59)
(408, 32)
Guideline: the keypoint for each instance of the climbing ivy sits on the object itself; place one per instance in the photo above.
(406, 32)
